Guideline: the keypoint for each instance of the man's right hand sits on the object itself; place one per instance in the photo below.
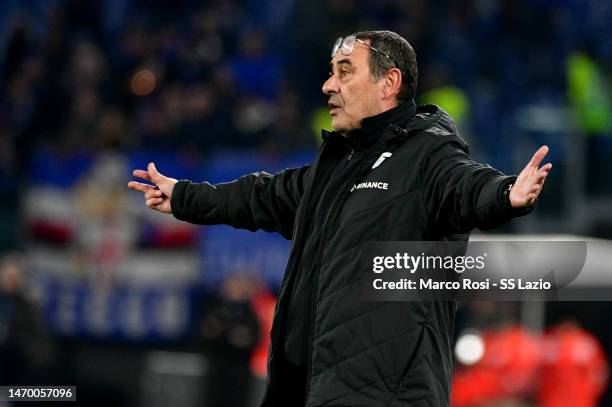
(156, 197)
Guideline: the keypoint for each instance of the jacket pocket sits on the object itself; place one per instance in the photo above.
(420, 384)
(416, 393)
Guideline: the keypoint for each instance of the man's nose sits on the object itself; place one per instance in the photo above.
(330, 86)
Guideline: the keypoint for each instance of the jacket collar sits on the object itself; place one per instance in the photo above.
(372, 128)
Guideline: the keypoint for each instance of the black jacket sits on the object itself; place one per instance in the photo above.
(365, 353)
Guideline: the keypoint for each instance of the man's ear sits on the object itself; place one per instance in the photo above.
(393, 83)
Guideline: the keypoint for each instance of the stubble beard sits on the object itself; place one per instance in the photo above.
(347, 128)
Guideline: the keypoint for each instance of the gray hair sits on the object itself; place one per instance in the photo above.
(403, 55)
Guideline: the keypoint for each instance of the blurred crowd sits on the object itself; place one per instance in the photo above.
(193, 77)
(513, 366)
(86, 77)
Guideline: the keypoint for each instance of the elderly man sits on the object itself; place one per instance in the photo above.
(389, 171)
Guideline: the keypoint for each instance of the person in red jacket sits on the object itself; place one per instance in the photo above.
(574, 368)
(565, 368)
(507, 370)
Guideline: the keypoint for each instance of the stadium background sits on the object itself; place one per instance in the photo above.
(137, 309)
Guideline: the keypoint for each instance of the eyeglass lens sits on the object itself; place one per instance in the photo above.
(346, 45)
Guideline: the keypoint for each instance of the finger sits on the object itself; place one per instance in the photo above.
(541, 183)
(156, 177)
(139, 186)
(154, 202)
(545, 168)
(153, 193)
(141, 174)
(541, 178)
(538, 157)
(543, 173)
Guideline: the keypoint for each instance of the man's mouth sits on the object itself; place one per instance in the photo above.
(333, 108)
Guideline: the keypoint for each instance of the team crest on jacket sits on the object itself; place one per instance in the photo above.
(382, 158)
(371, 185)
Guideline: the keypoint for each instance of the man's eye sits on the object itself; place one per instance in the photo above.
(341, 74)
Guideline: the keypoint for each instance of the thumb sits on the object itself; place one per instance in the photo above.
(155, 176)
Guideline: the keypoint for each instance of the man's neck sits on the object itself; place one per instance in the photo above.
(383, 109)
(372, 125)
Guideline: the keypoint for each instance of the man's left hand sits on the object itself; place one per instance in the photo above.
(530, 181)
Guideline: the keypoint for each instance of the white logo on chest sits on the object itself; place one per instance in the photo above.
(382, 158)
(371, 185)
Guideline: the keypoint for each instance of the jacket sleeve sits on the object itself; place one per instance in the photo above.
(461, 194)
(254, 201)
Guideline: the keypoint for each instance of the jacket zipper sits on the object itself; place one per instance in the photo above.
(334, 208)
(313, 303)
(337, 203)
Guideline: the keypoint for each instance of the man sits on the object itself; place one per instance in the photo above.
(27, 352)
(388, 171)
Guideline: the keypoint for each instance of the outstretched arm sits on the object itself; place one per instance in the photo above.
(462, 194)
(254, 201)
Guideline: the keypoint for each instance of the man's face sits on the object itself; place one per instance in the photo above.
(10, 278)
(353, 93)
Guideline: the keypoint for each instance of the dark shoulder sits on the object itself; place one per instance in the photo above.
(431, 126)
